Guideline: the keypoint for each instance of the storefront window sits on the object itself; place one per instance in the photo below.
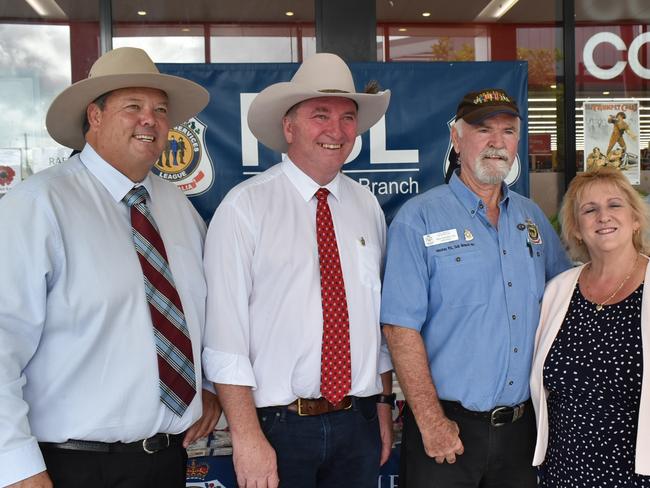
(34, 68)
(612, 81)
(164, 43)
(432, 43)
(254, 44)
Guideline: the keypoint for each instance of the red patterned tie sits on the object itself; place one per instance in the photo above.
(173, 345)
(335, 358)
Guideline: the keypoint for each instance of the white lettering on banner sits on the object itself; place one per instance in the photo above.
(378, 152)
(392, 479)
(249, 152)
(619, 66)
(405, 187)
(355, 150)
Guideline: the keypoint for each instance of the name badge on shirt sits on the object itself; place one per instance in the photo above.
(440, 237)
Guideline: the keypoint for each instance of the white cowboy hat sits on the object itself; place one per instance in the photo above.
(321, 75)
(124, 67)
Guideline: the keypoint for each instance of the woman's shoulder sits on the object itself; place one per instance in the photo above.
(566, 278)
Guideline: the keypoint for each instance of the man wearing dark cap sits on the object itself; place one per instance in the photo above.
(465, 273)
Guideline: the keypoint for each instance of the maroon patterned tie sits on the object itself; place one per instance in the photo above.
(175, 365)
(335, 357)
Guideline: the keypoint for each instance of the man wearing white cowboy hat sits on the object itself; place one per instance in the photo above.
(102, 299)
(292, 261)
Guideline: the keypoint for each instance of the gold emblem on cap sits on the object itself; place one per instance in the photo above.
(491, 96)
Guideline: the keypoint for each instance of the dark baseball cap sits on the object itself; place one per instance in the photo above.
(479, 105)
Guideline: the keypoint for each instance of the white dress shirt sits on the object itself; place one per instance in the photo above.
(264, 322)
(78, 354)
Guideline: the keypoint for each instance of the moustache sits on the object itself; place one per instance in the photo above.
(494, 153)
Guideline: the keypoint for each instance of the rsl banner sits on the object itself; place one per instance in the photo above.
(405, 153)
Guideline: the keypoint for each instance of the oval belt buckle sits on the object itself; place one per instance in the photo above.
(493, 414)
(150, 451)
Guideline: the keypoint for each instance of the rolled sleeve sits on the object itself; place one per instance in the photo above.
(385, 362)
(227, 262)
(228, 369)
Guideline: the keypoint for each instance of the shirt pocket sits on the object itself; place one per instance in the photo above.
(461, 278)
(369, 264)
(537, 271)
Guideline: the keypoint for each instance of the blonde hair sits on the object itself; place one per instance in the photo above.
(571, 201)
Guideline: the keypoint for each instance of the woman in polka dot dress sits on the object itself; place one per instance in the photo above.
(588, 386)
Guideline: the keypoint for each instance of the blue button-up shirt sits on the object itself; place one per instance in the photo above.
(472, 290)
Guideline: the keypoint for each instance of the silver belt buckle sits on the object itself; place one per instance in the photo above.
(149, 451)
(492, 415)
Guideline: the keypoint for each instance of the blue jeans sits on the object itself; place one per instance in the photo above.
(332, 450)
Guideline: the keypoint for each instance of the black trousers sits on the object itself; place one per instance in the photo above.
(84, 469)
(495, 457)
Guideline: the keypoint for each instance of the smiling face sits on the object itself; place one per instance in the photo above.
(605, 219)
(321, 134)
(487, 149)
(131, 130)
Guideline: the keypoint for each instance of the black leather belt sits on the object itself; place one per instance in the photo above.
(150, 445)
(497, 417)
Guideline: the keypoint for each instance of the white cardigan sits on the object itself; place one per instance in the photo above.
(557, 297)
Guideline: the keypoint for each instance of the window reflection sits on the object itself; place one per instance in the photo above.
(34, 68)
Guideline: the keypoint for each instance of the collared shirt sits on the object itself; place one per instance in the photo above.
(75, 327)
(472, 290)
(264, 312)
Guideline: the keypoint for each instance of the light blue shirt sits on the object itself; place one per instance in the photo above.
(78, 355)
(473, 291)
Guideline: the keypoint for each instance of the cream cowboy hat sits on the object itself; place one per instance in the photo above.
(124, 67)
(321, 75)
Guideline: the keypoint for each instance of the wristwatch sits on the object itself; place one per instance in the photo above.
(387, 399)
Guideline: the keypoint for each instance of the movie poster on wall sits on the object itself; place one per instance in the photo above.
(612, 136)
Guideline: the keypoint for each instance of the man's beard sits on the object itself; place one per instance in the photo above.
(494, 171)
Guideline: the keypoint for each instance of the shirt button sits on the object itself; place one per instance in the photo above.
(458, 259)
(480, 205)
(514, 317)
(472, 212)
(516, 350)
(509, 283)
(538, 254)
(505, 252)
(511, 382)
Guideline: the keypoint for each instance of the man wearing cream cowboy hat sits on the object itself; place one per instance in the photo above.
(102, 301)
(292, 262)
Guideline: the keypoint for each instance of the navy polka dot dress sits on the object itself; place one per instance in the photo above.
(593, 374)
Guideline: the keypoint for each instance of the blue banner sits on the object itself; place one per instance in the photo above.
(404, 154)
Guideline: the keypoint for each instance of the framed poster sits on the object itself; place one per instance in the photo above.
(611, 137)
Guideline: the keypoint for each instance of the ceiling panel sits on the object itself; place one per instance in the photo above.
(393, 11)
(442, 11)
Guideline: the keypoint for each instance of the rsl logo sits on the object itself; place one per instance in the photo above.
(185, 159)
